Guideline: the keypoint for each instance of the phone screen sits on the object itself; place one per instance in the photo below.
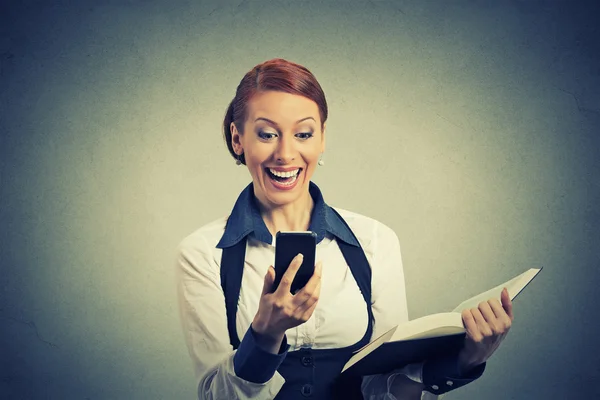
(287, 246)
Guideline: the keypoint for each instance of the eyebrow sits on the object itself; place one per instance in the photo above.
(275, 123)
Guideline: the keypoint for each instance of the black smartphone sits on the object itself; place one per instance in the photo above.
(287, 246)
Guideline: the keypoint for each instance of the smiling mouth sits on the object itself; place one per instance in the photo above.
(284, 177)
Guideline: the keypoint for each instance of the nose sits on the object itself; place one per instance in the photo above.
(286, 150)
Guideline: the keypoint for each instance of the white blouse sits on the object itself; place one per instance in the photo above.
(339, 320)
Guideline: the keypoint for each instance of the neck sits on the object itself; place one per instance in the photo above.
(293, 216)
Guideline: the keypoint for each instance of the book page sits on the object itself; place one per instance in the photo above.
(379, 341)
(514, 286)
(364, 351)
(430, 326)
(435, 325)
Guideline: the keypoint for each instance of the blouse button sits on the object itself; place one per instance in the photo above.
(449, 383)
(306, 390)
(307, 361)
(435, 387)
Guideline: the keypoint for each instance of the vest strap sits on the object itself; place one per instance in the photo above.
(357, 261)
(232, 268)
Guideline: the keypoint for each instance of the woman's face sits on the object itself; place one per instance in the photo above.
(282, 136)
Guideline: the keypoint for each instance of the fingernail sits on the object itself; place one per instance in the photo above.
(299, 256)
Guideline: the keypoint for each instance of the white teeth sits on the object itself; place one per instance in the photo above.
(290, 183)
(284, 174)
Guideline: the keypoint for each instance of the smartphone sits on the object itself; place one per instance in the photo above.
(287, 246)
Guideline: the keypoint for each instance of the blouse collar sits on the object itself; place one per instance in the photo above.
(245, 219)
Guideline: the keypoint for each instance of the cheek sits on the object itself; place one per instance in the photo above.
(258, 153)
(311, 166)
(314, 157)
(253, 162)
(251, 157)
(255, 169)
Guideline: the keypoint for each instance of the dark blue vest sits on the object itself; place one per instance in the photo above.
(308, 373)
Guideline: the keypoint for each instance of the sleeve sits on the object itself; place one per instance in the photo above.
(221, 372)
(442, 375)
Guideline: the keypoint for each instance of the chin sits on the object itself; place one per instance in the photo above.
(283, 196)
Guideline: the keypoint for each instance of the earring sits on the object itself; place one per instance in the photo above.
(321, 162)
(238, 161)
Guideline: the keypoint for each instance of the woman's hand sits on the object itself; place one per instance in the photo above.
(486, 327)
(280, 310)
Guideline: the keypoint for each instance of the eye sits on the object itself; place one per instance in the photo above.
(265, 135)
(305, 135)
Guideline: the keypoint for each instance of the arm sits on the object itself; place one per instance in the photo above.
(220, 371)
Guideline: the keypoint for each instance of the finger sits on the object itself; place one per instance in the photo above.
(308, 313)
(288, 277)
(496, 325)
(507, 304)
(471, 325)
(311, 307)
(310, 297)
(482, 324)
(486, 311)
(501, 315)
(303, 294)
(269, 279)
(496, 308)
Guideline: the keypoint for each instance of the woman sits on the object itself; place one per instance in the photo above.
(250, 340)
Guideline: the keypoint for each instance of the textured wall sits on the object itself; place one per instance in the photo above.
(469, 127)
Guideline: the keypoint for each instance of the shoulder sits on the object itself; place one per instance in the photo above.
(369, 231)
(204, 238)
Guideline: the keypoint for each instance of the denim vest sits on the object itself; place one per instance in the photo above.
(308, 373)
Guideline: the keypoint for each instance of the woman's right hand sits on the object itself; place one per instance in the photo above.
(281, 310)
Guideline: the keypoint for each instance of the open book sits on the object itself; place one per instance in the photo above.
(423, 338)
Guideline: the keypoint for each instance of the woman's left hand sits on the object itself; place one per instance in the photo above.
(486, 327)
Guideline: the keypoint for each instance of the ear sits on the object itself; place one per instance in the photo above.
(236, 140)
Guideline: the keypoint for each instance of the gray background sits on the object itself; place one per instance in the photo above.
(469, 127)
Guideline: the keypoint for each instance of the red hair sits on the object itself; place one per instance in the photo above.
(278, 75)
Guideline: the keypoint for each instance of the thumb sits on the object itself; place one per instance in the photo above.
(269, 279)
